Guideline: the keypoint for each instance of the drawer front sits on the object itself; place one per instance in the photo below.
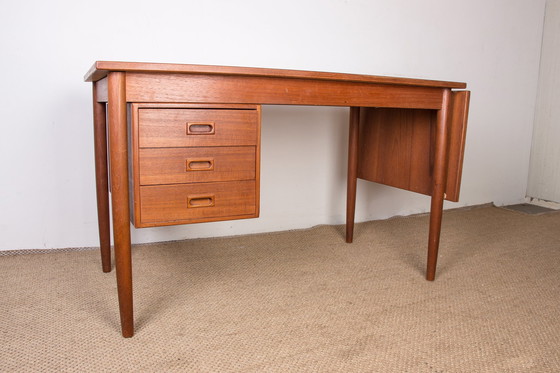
(166, 127)
(196, 165)
(196, 203)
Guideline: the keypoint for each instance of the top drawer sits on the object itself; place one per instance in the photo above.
(168, 127)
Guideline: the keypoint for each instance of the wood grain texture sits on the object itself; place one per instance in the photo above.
(101, 68)
(258, 164)
(439, 184)
(143, 87)
(352, 177)
(396, 147)
(190, 105)
(458, 118)
(169, 165)
(134, 159)
(118, 145)
(169, 147)
(102, 179)
(167, 204)
(134, 162)
(169, 127)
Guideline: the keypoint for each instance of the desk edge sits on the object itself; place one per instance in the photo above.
(100, 69)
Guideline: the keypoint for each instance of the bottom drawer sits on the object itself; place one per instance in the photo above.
(197, 203)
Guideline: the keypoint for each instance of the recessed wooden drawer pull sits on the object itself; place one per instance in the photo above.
(200, 201)
(200, 128)
(200, 164)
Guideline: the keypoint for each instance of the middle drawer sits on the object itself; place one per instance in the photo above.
(196, 165)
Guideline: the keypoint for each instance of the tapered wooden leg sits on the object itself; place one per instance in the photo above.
(439, 185)
(118, 146)
(352, 172)
(102, 180)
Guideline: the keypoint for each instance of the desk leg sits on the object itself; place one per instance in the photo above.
(118, 146)
(352, 172)
(102, 180)
(439, 185)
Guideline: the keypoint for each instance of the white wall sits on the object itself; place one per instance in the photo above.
(47, 194)
(544, 170)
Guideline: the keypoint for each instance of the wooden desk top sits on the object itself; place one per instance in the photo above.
(100, 69)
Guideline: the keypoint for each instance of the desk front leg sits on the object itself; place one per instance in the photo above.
(118, 146)
(439, 185)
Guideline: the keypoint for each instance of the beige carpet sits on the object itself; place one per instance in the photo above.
(300, 301)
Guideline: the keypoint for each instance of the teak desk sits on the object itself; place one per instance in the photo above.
(184, 144)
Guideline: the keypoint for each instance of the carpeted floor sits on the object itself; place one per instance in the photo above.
(300, 301)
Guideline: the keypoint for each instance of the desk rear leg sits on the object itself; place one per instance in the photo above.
(352, 172)
(101, 179)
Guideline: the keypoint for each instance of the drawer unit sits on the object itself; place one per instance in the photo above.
(194, 164)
